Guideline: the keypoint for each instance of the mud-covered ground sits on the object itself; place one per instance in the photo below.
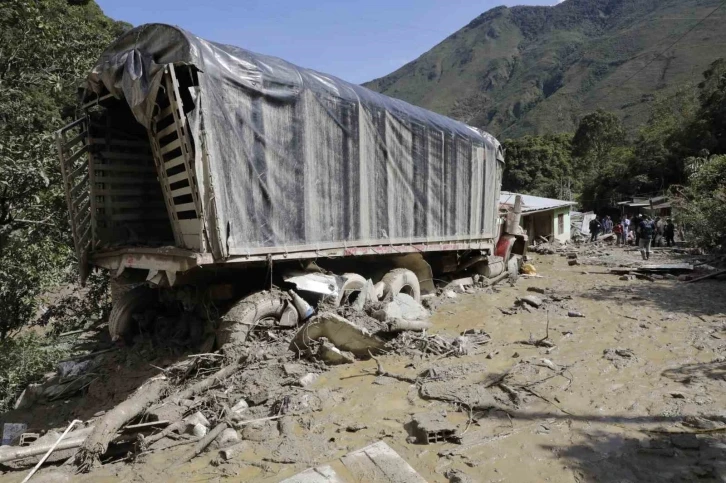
(632, 391)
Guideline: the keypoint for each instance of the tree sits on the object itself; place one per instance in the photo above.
(46, 49)
(597, 135)
(540, 165)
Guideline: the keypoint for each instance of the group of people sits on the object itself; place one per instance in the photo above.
(643, 229)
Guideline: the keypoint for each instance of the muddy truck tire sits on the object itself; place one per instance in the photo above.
(352, 282)
(401, 280)
(261, 308)
(121, 322)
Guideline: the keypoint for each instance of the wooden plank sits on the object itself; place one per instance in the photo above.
(146, 205)
(81, 183)
(178, 177)
(76, 172)
(380, 460)
(174, 162)
(181, 192)
(171, 128)
(74, 157)
(193, 242)
(190, 227)
(171, 146)
(163, 114)
(75, 140)
(77, 202)
(185, 207)
(710, 275)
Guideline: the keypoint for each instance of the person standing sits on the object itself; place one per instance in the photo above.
(595, 226)
(637, 222)
(659, 231)
(618, 230)
(647, 230)
(670, 233)
(626, 230)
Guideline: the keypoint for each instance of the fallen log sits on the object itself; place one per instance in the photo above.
(710, 275)
(104, 432)
(204, 384)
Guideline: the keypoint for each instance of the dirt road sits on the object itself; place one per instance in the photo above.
(610, 402)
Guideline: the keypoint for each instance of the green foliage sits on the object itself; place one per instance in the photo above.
(596, 136)
(46, 48)
(539, 165)
(701, 205)
(24, 360)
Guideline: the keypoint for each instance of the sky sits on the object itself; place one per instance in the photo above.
(355, 40)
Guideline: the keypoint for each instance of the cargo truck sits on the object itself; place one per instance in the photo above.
(208, 174)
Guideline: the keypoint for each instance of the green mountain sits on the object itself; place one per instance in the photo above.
(537, 70)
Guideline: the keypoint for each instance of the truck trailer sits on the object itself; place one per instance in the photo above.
(204, 172)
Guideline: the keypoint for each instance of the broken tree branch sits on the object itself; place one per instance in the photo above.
(97, 442)
(203, 443)
(52, 448)
(380, 371)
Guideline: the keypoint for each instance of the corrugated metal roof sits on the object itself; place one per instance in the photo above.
(533, 203)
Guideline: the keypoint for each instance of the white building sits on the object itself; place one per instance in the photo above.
(544, 217)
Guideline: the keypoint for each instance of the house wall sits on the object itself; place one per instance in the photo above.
(547, 223)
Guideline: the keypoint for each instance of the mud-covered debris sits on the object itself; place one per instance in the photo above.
(402, 307)
(572, 263)
(240, 407)
(472, 396)
(355, 427)
(627, 278)
(308, 379)
(227, 438)
(197, 418)
(342, 333)
(330, 354)
(539, 290)
(449, 294)
(230, 452)
(460, 284)
(431, 428)
(532, 300)
(574, 313)
(619, 357)
(293, 369)
(458, 476)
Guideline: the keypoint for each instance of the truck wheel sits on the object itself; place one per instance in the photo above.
(261, 308)
(401, 280)
(121, 321)
(351, 288)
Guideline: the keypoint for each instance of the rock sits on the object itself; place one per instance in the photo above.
(308, 379)
(572, 256)
(240, 407)
(197, 418)
(532, 300)
(536, 289)
(340, 332)
(333, 356)
(685, 441)
(573, 313)
(198, 430)
(460, 283)
(29, 396)
(228, 437)
(458, 476)
(355, 427)
(258, 398)
(293, 369)
(450, 294)
(627, 277)
(232, 451)
(402, 307)
(516, 354)
(572, 262)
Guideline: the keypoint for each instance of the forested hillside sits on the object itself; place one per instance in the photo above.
(46, 49)
(538, 70)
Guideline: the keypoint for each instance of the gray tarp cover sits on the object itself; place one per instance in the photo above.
(302, 160)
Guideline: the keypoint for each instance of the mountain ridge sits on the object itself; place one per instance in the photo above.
(538, 69)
